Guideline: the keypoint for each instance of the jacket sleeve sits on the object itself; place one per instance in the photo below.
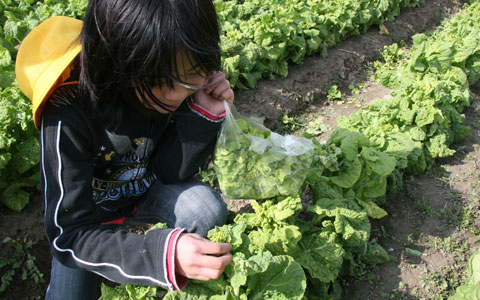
(186, 144)
(72, 219)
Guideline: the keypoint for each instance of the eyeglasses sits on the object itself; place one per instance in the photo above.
(197, 87)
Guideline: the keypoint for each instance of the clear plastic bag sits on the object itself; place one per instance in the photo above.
(252, 162)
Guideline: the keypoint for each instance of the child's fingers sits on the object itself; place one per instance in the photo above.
(199, 258)
(227, 95)
(211, 248)
(222, 91)
(212, 267)
(218, 88)
(218, 78)
(215, 262)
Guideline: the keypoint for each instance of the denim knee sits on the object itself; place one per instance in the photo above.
(191, 204)
(200, 209)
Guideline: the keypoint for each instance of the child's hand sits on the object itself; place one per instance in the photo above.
(199, 258)
(212, 98)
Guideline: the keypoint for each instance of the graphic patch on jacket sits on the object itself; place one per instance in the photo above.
(125, 171)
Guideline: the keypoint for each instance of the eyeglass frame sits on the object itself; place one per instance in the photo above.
(199, 88)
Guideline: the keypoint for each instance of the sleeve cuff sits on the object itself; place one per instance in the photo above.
(204, 113)
(178, 282)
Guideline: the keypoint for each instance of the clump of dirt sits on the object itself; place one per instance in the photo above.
(305, 90)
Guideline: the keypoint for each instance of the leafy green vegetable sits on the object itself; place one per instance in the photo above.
(471, 289)
(259, 275)
(473, 269)
(349, 174)
(19, 149)
(283, 279)
(258, 164)
(128, 292)
(430, 91)
(260, 37)
(14, 197)
(271, 227)
(19, 145)
(212, 290)
(320, 254)
(467, 292)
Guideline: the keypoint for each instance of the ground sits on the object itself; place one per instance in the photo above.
(431, 228)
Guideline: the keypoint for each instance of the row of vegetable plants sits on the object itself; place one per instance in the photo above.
(259, 39)
(289, 249)
(19, 142)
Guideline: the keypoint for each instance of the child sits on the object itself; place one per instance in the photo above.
(126, 122)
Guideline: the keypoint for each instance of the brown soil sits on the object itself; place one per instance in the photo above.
(435, 214)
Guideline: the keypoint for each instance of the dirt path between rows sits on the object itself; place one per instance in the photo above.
(411, 223)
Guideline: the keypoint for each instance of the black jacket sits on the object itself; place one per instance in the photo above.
(91, 175)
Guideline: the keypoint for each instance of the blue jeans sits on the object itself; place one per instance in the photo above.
(191, 204)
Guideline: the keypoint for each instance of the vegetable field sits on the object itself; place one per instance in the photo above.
(387, 91)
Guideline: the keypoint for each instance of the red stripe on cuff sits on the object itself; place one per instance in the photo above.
(179, 282)
(205, 112)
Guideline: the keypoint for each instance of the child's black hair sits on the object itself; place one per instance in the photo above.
(132, 45)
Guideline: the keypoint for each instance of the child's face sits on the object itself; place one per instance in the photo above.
(173, 97)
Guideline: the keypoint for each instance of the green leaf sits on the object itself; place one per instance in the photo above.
(350, 142)
(14, 197)
(371, 187)
(282, 240)
(141, 292)
(320, 254)
(157, 226)
(467, 292)
(373, 210)
(5, 57)
(437, 146)
(418, 50)
(352, 226)
(349, 174)
(473, 271)
(270, 227)
(230, 233)
(26, 155)
(283, 280)
(197, 290)
(113, 293)
(7, 76)
(469, 47)
(379, 162)
(241, 268)
(425, 115)
(271, 213)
